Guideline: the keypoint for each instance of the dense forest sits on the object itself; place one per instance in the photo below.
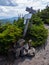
(10, 33)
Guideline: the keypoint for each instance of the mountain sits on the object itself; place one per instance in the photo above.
(7, 3)
(9, 19)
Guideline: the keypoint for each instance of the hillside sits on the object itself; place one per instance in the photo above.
(9, 19)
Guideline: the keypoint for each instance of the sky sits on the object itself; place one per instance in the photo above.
(13, 8)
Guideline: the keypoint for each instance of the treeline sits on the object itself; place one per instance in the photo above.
(44, 15)
(11, 33)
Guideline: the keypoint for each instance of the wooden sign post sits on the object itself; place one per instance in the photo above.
(27, 18)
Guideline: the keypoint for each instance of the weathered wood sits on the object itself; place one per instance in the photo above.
(26, 27)
(30, 10)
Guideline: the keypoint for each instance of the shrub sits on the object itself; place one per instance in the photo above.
(36, 20)
(9, 36)
(44, 14)
(47, 21)
(19, 23)
(38, 34)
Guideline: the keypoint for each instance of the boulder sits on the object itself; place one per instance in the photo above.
(24, 50)
(27, 51)
(29, 43)
(20, 42)
(31, 52)
(23, 53)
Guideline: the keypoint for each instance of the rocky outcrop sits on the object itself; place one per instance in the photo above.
(27, 51)
(20, 42)
(22, 49)
(19, 48)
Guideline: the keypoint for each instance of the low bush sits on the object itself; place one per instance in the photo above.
(47, 21)
(9, 35)
(36, 20)
(38, 34)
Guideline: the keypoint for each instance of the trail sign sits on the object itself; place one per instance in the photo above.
(27, 18)
(30, 10)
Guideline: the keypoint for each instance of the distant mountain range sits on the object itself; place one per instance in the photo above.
(7, 3)
(9, 19)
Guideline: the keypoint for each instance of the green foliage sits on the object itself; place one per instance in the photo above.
(38, 34)
(36, 31)
(36, 20)
(44, 14)
(19, 23)
(47, 21)
(9, 34)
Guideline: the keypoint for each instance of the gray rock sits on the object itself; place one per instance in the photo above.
(26, 46)
(29, 43)
(31, 52)
(20, 42)
(24, 52)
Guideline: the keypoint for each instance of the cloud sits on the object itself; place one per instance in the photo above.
(7, 3)
(11, 11)
(36, 4)
(20, 6)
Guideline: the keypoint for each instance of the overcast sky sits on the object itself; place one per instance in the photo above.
(12, 8)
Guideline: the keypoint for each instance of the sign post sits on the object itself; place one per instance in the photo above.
(27, 18)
